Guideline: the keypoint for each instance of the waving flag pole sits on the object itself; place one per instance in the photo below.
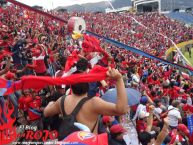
(111, 4)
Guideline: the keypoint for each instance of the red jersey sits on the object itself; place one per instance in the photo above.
(40, 65)
(173, 94)
(175, 136)
(141, 125)
(33, 108)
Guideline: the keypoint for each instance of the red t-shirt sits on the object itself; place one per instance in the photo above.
(141, 125)
(175, 136)
(173, 94)
(33, 105)
(40, 65)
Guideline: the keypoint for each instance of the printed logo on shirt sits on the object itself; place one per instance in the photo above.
(85, 135)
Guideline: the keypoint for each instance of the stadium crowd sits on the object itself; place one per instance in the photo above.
(31, 44)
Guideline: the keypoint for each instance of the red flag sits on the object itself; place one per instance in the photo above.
(3, 83)
(38, 83)
(98, 73)
(72, 59)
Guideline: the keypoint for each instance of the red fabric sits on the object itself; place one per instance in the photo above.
(187, 107)
(87, 46)
(72, 59)
(32, 66)
(174, 136)
(87, 138)
(3, 83)
(36, 52)
(14, 87)
(21, 103)
(26, 101)
(39, 66)
(173, 94)
(106, 119)
(37, 83)
(177, 88)
(92, 44)
(141, 125)
(185, 97)
(184, 129)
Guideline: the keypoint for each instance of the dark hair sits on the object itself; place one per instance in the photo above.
(80, 89)
(145, 137)
(114, 135)
(144, 80)
(157, 101)
(82, 65)
(154, 78)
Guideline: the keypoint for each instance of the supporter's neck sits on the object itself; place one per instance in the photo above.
(79, 96)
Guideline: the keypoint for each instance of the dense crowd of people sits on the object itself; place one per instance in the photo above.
(31, 44)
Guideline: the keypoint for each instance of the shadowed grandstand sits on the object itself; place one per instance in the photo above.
(182, 17)
(169, 5)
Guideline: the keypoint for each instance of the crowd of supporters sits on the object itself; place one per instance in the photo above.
(31, 44)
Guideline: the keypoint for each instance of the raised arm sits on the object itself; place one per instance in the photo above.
(7, 67)
(164, 132)
(150, 119)
(102, 107)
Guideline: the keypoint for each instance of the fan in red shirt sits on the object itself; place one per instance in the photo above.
(21, 102)
(38, 60)
(33, 105)
(179, 135)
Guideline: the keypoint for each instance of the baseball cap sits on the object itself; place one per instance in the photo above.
(106, 119)
(143, 100)
(117, 128)
(184, 129)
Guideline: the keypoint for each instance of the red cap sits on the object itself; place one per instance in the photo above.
(106, 119)
(184, 129)
(117, 129)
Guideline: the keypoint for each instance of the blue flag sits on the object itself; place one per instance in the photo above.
(190, 123)
(3, 90)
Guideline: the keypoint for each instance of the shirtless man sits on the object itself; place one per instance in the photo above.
(94, 107)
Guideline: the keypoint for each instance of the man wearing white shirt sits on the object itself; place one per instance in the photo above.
(174, 115)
